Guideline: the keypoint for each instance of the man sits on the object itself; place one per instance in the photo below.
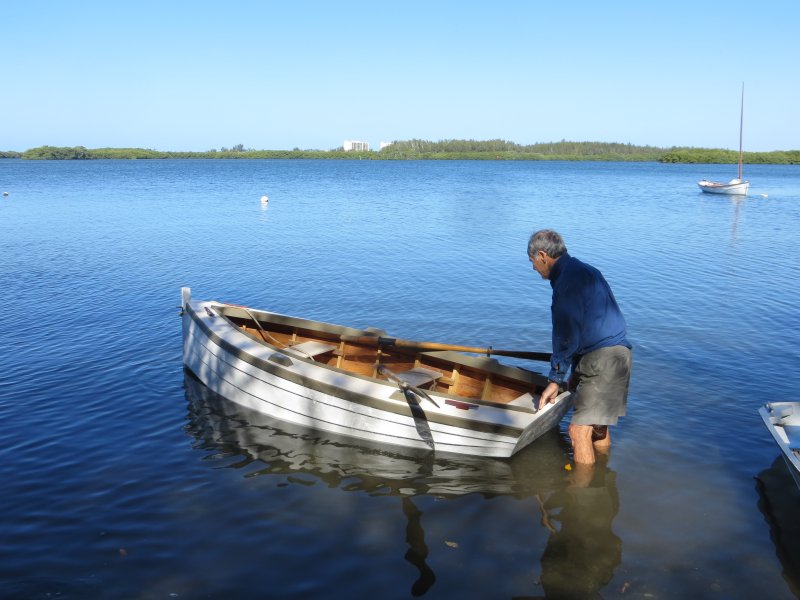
(589, 341)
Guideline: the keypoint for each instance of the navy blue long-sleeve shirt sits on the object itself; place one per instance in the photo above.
(585, 315)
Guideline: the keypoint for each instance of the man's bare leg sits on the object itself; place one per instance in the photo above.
(581, 438)
(601, 437)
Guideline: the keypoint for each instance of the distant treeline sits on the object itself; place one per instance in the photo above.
(81, 153)
(703, 155)
(441, 150)
(504, 150)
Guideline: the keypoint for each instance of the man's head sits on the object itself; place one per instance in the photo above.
(545, 247)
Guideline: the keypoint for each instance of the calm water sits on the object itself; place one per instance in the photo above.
(124, 478)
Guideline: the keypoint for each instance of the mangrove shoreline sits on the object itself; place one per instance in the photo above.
(441, 150)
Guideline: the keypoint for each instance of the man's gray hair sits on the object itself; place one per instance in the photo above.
(549, 241)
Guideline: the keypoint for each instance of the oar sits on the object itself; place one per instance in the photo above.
(380, 341)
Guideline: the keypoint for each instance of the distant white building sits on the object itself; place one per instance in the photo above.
(384, 144)
(353, 146)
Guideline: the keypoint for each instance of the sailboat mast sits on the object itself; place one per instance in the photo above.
(741, 126)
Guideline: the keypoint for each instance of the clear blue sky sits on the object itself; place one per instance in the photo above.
(196, 75)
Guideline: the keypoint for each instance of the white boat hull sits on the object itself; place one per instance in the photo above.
(289, 449)
(783, 422)
(301, 391)
(735, 187)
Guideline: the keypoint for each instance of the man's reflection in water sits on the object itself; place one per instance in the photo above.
(778, 500)
(582, 551)
(417, 550)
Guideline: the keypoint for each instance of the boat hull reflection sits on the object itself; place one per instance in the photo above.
(577, 513)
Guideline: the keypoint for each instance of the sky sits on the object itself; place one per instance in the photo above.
(196, 75)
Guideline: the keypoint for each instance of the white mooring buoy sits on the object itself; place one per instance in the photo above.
(264, 200)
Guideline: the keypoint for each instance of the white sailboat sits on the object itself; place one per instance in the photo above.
(738, 186)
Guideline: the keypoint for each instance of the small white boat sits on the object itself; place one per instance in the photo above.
(361, 384)
(735, 187)
(783, 421)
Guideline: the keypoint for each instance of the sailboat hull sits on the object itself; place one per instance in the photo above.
(736, 187)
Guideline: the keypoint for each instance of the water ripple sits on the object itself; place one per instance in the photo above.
(120, 483)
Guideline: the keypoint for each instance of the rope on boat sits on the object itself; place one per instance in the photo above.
(264, 334)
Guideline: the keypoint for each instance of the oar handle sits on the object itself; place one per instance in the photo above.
(368, 340)
(380, 341)
(543, 356)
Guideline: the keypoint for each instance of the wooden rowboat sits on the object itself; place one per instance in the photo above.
(361, 384)
(783, 422)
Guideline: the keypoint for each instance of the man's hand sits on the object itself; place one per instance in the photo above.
(548, 395)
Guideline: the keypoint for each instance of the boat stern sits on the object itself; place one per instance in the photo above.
(546, 419)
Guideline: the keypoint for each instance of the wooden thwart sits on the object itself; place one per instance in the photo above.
(310, 349)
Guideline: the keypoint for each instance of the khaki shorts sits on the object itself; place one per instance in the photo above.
(603, 377)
